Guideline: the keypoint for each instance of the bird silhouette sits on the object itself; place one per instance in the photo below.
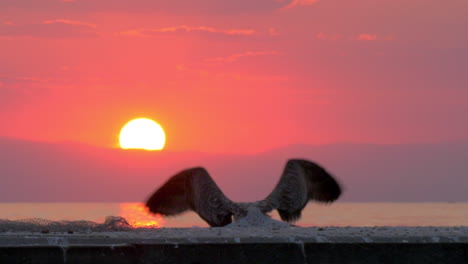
(194, 189)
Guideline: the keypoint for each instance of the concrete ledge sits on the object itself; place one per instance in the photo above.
(31, 255)
(331, 245)
(387, 253)
(255, 253)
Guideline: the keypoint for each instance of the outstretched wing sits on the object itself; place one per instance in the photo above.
(192, 189)
(301, 181)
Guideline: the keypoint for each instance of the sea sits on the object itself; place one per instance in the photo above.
(338, 214)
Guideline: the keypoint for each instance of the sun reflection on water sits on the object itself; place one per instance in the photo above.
(138, 215)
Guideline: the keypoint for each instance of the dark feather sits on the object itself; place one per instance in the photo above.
(322, 187)
(290, 216)
(172, 197)
(192, 189)
(301, 181)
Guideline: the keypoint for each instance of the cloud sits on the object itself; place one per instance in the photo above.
(372, 37)
(202, 7)
(184, 29)
(295, 3)
(368, 37)
(8, 80)
(235, 57)
(360, 37)
(69, 22)
(58, 28)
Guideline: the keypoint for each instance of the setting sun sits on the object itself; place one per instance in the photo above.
(142, 133)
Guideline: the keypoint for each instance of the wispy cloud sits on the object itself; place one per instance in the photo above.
(235, 57)
(184, 7)
(9, 79)
(368, 37)
(57, 28)
(184, 29)
(296, 3)
(359, 37)
(372, 37)
(69, 22)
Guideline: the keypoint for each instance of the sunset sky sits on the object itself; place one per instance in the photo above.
(238, 76)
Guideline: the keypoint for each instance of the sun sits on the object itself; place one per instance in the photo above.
(142, 133)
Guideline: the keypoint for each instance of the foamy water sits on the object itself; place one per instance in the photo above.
(337, 214)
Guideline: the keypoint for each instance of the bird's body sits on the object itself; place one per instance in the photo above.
(194, 189)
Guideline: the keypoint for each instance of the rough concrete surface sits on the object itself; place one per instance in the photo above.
(241, 245)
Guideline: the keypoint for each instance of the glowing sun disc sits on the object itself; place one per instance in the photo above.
(142, 133)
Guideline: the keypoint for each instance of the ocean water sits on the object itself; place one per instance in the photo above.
(337, 214)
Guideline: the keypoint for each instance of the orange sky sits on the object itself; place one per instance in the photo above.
(235, 76)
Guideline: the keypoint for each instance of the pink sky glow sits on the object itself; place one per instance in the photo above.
(235, 76)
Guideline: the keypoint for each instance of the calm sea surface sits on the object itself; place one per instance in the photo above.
(338, 214)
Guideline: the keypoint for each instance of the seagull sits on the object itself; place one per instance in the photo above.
(194, 189)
